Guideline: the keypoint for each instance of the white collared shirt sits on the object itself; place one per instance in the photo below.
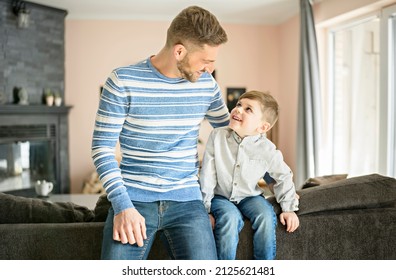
(232, 167)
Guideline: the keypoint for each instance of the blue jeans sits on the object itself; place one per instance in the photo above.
(184, 228)
(229, 219)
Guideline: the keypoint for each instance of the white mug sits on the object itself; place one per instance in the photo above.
(43, 188)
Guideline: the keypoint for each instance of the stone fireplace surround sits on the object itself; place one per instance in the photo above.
(15, 121)
(33, 58)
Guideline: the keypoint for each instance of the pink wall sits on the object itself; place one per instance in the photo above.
(256, 57)
(289, 41)
(93, 48)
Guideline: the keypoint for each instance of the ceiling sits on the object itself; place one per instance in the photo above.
(271, 12)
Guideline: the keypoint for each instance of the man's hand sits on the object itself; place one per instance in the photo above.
(289, 219)
(129, 227)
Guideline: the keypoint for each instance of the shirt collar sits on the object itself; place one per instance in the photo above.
(247, 139)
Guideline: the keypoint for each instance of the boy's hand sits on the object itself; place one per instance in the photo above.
(289, 219)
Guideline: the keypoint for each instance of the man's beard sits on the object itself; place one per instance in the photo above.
(182, 66)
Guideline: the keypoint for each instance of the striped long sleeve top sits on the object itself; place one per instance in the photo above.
(156, 120)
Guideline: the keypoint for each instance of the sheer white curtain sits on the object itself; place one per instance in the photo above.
(356, 99)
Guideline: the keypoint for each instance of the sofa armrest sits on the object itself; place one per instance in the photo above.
(362, 192)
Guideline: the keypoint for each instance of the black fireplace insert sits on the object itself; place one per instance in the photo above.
(33, 146)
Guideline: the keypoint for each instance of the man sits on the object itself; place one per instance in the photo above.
(154, 108)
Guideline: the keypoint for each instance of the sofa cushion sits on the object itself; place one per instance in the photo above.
(362, 192)
(17, 209)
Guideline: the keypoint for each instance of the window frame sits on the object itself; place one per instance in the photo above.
(387, 150)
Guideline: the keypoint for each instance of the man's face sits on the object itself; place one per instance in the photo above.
(195, 63)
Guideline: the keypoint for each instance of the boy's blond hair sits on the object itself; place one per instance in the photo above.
(269, 105)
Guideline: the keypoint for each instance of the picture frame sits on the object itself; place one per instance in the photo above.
(233, 94)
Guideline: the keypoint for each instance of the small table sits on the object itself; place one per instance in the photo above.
(87, 200)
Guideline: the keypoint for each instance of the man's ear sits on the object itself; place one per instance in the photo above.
(265, 126)
(179, 52)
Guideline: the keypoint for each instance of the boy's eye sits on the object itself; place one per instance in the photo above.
(248, 109)
(238, 105)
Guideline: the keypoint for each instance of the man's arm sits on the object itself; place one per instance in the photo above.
(129, 225)
(109, 120)
(218, 114)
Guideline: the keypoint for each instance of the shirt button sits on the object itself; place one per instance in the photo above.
(235, 184)
(237, 165)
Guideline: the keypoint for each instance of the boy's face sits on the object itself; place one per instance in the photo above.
(247, 118)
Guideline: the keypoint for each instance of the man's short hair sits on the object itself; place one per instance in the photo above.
(197, 26)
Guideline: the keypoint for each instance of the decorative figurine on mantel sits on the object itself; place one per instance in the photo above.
(20, 96)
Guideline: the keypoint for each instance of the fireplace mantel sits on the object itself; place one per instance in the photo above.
(33, 109)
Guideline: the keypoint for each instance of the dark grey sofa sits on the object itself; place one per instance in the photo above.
(353, 219)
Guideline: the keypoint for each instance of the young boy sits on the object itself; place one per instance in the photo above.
(235, 159)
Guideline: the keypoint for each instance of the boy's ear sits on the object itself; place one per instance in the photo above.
(265, 126)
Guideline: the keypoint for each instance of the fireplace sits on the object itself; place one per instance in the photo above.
(33, 146)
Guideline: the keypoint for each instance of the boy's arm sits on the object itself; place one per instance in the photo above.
(284, 190)
(208, 176)
(285, 194)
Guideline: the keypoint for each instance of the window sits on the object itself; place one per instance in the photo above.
(360, 101)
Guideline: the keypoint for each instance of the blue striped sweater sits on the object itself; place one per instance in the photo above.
(157, 120)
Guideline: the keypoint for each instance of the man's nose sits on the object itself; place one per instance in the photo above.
(210, 68)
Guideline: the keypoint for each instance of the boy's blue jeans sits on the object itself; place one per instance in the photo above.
(184, 228)
(229, 219)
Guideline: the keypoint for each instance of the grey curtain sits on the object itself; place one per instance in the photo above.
(309, 104)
